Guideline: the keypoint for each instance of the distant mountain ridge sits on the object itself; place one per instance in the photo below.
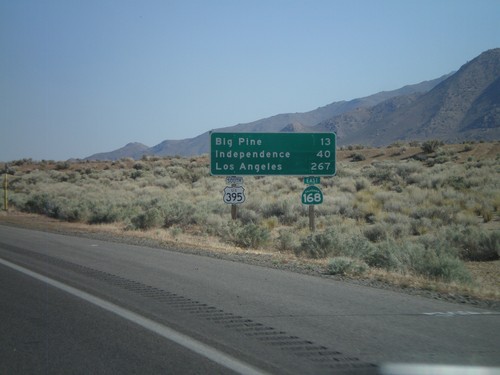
(464, 105)
(131, 150)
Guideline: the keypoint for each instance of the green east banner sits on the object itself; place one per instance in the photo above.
(263, 154)
(312, 180)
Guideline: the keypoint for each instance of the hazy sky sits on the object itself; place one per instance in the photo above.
(84, 76)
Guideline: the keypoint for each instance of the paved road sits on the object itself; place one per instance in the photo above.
(271, 320)
(46, 331)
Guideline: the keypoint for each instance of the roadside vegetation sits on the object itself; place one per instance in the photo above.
(407, 212)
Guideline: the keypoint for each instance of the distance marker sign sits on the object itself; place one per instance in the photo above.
(264, 154)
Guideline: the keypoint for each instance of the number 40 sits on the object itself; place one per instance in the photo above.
(324, 154)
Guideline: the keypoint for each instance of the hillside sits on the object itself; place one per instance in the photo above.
(132, 150)
(465, 106)
(283, 122)
(462, 106)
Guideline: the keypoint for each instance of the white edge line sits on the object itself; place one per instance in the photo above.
(164, 331)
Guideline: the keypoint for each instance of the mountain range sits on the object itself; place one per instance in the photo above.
(460, 106)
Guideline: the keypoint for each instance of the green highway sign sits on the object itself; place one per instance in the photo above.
(312, 195)
(264, 154)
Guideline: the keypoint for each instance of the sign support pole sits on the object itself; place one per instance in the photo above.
(234, 208)
(312, 224)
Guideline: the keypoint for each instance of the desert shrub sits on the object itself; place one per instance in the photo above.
(361, 183)
(347, 185)
(397, 224)
(431, 146)
(358, 157)
(365, 208)
(102, 213)
(197, 173)
(180, 173)
(71, 210)
(457, 182)
(342, 204)
(355, 147)
(247, 216)
(286, 240)
(384, 256)
(429, 258)
(375, 233)
(318, 245)
(53, 206)
(354, 245)
(443, 215)
(159, 171)
(486, 213)
(346, 266)
(396, 205)
(21, 162)
(177, 212)
(216, 225)
(17, 200)
(384, 196)
(405, 170)
(420, 226)
(400, 230)
(58, 176)
(138, 173)
(151, 218)
(271, 222)
(379, 173)
(440, 266)
(140, 165)
(38, 203)
(438, 159)
(282, 209)
(474, 244)
(330, 242)
(166, 182)
(250, 236)
(327, 209)
(62, 165)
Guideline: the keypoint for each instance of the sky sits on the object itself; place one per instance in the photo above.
(79, 77)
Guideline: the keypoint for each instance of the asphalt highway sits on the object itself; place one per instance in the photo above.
(78, 305)
(44, 330)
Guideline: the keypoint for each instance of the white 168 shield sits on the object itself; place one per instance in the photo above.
(234, 195)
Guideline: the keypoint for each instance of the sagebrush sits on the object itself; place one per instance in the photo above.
(421, 210)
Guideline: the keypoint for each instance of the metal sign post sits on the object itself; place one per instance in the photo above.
(312, 223)
(234, 211)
